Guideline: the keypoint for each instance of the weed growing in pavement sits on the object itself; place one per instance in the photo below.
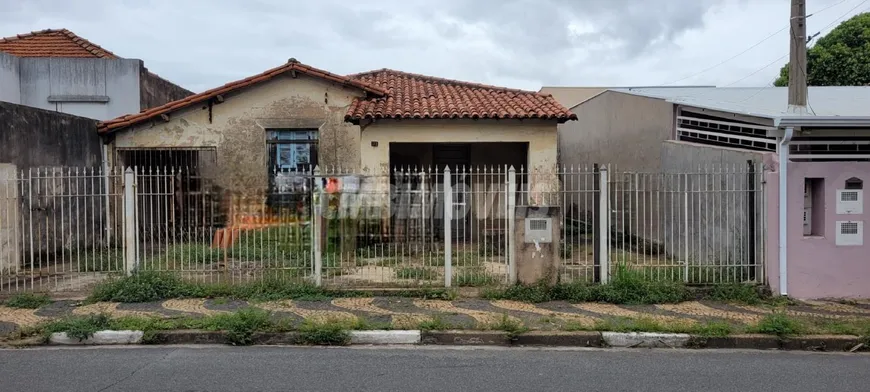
(436, 323)
(736, 292)
(324, 334)
(78, 327)
(627, 287)
(779, 324)
(27, 301)
(507, 324)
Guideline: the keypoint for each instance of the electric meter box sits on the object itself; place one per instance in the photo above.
(850, 202)
(538, 230)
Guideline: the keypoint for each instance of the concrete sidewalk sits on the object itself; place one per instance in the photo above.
(408, 313)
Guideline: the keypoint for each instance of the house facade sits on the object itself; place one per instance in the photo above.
(810, 236)
(366, 122)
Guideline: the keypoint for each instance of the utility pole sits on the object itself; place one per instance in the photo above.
(797, 64)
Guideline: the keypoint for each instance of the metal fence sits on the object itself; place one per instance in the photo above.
(65, 229)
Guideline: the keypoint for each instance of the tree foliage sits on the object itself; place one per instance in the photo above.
(841, 58)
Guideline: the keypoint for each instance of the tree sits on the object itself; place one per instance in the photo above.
(841, 58)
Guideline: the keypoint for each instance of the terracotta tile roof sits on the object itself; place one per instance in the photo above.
(52, 43)
(292, 65)
(419, 96)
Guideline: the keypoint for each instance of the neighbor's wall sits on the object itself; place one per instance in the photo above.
(721, 197)
(817, 267)
(10, 89)
(155, 91)
(101, 89)
(618, 129)
(32, 137)
(238, 128)
(60, 204)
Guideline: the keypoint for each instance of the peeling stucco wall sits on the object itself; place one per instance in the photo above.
(238, 125)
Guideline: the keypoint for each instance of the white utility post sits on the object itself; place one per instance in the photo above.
(448, 228)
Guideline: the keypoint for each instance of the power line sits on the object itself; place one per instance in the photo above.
(755, 45)
(786, 55)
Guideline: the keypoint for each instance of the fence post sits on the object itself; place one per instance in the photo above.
(130, 226)
(603, 225)
(316, 223)
(511, 217)
(448, 228)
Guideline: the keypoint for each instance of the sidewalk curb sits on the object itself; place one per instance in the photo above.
(645, 339)
(466, 338)
(832, 343)
(98, 338)
(386, 337)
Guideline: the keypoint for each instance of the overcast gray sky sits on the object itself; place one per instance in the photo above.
(516, 43)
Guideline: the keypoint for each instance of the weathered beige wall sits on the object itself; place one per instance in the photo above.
(540, 135)
(238, 127)
(617, 129)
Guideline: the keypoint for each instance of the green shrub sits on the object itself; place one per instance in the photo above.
(779, 324)
(632, 288)
(79, 327)
(324, 334)
(736, 292)
(27, 301)
(241, 325)
(142, 286)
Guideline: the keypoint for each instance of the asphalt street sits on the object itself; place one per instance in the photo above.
(211, 368)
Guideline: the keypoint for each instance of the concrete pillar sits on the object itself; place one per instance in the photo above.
(10, 220)
(536, 238)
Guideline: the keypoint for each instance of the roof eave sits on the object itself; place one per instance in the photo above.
(822, 122)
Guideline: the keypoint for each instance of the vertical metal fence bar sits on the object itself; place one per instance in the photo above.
(448, 222)
(604, 225)
(511, 202)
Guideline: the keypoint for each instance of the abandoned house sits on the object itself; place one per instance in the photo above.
(252, 136)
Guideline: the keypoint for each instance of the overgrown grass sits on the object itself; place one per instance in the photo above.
(183, 256)
(779, 324)
(100, 260)
(507, 324)
(79, 327)
(735, 292)
(27, 301)
(324, 334)
(417, 273)
(148, 286)
(626, 287)
(473, 277)
(436, 323)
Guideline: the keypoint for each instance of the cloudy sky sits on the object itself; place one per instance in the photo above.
(517, 43)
